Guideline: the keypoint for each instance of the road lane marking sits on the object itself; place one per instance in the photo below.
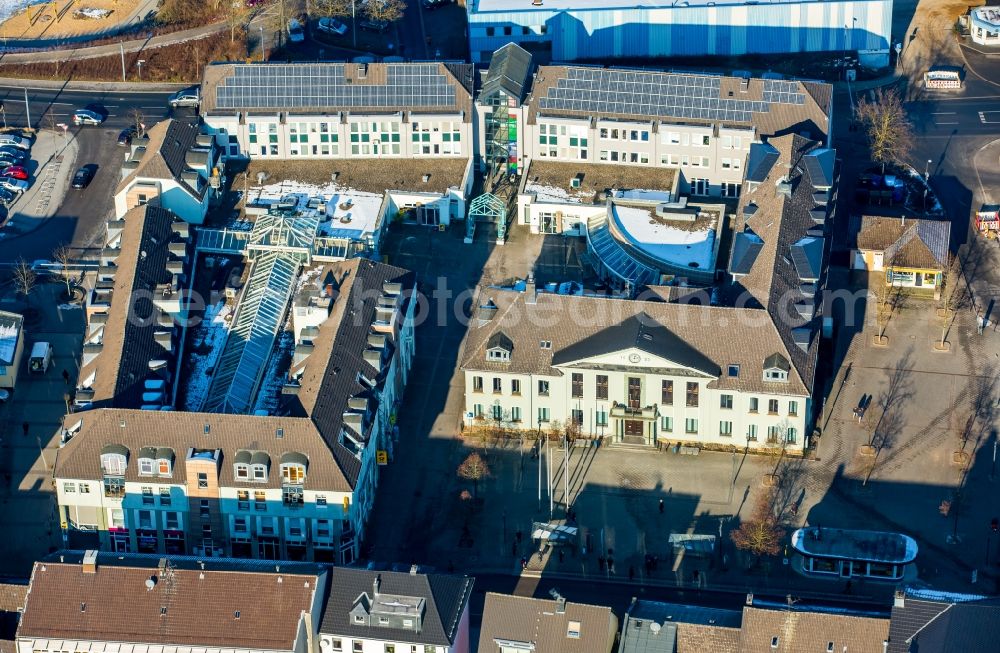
(987, 117)
(944, 122)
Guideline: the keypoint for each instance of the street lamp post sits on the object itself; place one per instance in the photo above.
(262, 43)
(121, 45)
(538, 444)
(927, 183)
(140, 62)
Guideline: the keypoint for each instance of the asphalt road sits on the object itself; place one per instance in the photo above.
(81, 216)
(943, 118)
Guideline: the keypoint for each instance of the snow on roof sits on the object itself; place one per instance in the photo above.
(209, 338)
(694, 248)
(644, 195)
(546, 193)
(988, 15)
(350, 213)
(8, 342)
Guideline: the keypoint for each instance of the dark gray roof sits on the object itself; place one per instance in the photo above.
(446, 597)
(510, 70)
(643, 333)
(807, 256)
(500, 339)
(818, 214)
(655, 627)
(819, 166)
(761, 159)
(746, 246)
(776, 361)
(946, 623)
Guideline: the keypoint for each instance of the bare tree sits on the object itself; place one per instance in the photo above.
(332, 8)
(887, 127)
(474, 469)
(761, 534)
(63, 256)
(949, 298)
(24, 279)
(137, 120)
(385, 10)
(235, 18)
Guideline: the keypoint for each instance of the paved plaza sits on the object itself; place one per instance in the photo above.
(930, 396)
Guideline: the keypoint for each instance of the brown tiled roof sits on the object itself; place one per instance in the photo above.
(186, 607)
(698, 638)
(128, 341)
(458, 75)
(180, 431)
(909, 242)
(799, 631)
(779, 221)
(780, 118)
(12, 597)
(567, 320)
(169, 141)
(537, 621)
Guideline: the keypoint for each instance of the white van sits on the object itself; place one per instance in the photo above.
(41, 358)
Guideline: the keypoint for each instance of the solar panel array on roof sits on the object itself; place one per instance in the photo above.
(637, 93)
(408, 85)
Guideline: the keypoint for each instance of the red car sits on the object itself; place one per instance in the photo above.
(17, 172)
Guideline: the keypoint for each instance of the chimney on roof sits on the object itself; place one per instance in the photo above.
(560, 601)
(413, 570)
(749, 600)
(536, 3)
(899, 599)
(89, 565)
(530, 295)
(376, 583)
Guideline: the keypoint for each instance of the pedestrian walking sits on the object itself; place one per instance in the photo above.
(561, 555)
(65, 375)
(524, 562)
(661, 506)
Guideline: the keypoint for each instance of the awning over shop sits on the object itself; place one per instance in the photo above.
(692, 544)
(554, 533)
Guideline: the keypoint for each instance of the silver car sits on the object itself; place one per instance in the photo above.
(14, 185)
(186, 98)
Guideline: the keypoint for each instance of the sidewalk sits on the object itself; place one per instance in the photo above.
(97, 87)
(135, 45)
(53, 156)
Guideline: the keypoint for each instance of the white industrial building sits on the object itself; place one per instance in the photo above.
(577, 30)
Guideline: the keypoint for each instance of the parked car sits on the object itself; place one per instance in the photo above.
(331, 26)
(126, 135)
(6, 197)
(15, 172)
(16, 185)
(188, 97)
(434, 4)
(7, 161)
(92, 114)
(365, 59)
(295, 32)
(9, 151)
(373, 25)
(14, 140)
(84, 176)
(4, 395)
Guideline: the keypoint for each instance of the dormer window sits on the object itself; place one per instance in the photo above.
(145, 467)
(498, 355)
(775, 375)
(499, 347)
(114, 459)
(776, 368)
(165, 461)
(241, 471)
(260, 465)
(293, 468)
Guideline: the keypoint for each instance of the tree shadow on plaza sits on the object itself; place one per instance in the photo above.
(951, 522)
